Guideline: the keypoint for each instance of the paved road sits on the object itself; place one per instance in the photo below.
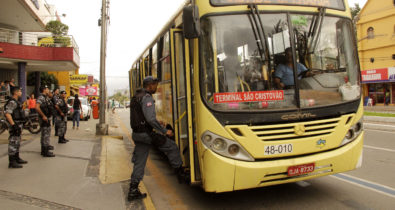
(370, 187)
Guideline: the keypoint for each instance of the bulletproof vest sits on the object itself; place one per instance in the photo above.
(52, 106)
(46, 107)
(137, 119)
(64, 107)
(18, 114)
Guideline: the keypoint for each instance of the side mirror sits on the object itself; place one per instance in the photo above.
(191, 21)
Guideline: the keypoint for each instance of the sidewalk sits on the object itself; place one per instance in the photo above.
(71, 179)
(383, 109)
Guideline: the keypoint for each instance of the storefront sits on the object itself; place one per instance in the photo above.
(379, 85)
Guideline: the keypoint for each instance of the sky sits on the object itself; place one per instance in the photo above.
(133, 25)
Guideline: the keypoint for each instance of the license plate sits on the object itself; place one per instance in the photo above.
(301, 169)
(278, 149)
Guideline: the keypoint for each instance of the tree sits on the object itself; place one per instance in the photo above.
(355, 11)
(46, 79)
(57, 28)
(355, 16)
(120, 96)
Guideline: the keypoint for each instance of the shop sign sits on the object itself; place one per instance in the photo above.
(391, 74)
(253, 96)
(88, 91)
(375, 75)
(91, 91)
(78, 79)
(90, 79)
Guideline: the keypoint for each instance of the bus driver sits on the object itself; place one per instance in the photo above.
(284, 75)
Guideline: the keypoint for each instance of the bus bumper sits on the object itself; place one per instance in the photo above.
(224, 174)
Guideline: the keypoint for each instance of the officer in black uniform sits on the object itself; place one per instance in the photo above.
(44, 110)
(143, 121)
(15, 117)
(61, 117)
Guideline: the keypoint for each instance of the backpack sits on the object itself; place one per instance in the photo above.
(137, 119)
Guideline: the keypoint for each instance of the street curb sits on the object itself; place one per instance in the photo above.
(379, 119)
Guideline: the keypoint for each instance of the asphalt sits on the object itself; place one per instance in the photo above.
(85, 174)
(92, 172)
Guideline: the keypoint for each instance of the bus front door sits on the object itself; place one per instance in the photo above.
(181, 83)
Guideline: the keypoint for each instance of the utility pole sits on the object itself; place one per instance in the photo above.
(102, 127)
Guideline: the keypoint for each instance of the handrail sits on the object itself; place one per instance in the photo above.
(33, 39)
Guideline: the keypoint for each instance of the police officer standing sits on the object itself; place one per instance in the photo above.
(43, 108)
(54, 98)
(143, 121)
(61, 117)
(15, 116)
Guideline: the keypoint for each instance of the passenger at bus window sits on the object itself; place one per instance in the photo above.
(284, 77)
(232, 67)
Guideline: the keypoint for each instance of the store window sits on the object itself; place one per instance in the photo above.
(377, 92)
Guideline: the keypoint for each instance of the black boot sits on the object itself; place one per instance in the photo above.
(42, 150)
(61, 140)
(134, 192)
(50, 147)
(13, 163)
(182, 175)
(64, 139)
(19, 160)
(47, 153)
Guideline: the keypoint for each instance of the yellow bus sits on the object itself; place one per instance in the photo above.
(259, 92)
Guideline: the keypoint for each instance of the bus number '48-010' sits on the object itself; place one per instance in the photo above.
(278, 149)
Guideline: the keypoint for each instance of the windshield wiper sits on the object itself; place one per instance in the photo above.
(260, 36)
(315, 29)
(256, 31)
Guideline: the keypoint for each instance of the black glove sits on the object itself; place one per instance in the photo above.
(158, 139)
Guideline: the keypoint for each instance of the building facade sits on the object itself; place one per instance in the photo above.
(22, 26)
(376, 47)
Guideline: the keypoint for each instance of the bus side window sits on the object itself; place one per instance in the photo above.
(154, 56)
(165, 60)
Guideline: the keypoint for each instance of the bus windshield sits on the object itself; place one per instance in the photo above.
(244, 70)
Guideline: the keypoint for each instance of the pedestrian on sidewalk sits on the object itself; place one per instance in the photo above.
(12, 83)
(143, 121)
(113, 106)
(3, 90)
(32, 104)
(43, 108)
(387, 97)
(15, 116)
(61, 119)
(77, 111)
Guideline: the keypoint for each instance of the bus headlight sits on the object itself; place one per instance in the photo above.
(233, 149)
(353, 133)
(225, 147)
(219, 144)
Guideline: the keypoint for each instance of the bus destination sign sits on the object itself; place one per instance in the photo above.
(333, 4)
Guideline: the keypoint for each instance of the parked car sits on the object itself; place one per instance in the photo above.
(86, 108)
